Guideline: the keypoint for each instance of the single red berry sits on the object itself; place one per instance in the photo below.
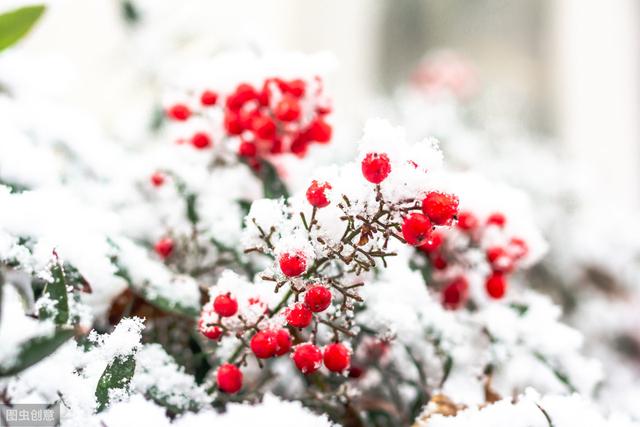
(337, 357)
(318, 298)
(247, 149)
(307, 357)
(441, 208)
(157, 179)
(499, 259)
(211, 332)
(208, 98)
(225, 305)
(518, 247)
(229, 378)
(356, 372)
(300, 145)
(467, 221)
(296, 87)
(164, 247)
(232, 123)
(200, 140)
(432, 244)
(455, 293)
(299, 316)
(288, 109)
(497, 219)
(263, 127)
(496, 285)
(376, 167)
(264, 344)
(283, 341)
(179, 112)
(316, 194)
(319, 131)
(416, 229)
(293, 264)
(243, 94)
(439, 262)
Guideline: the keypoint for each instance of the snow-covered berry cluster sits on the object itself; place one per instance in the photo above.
(272, 117)
(323, 245)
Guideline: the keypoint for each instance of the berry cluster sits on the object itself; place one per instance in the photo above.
(278, 116)
(323, 276)
(448, 254)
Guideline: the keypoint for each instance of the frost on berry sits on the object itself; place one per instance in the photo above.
(376, 167)
(299, 316)
(307, 358)
(318, 298)
(292, 263)
(264, 344)
(316, 194)
(441, 208)
(416, 229)
(337, 357)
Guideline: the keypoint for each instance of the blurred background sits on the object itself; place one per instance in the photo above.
(564, 68)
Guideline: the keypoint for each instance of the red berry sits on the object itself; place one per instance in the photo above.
(225, 305)
(496, 285)
(355, 372)
(434, 243)
(518, 247)
(439, 262)
(319, 131)
(307, 358)
(179, 112)
(497, 218)
(288, 109)
(300, 145)
(243, 94)
(376, 167)
(499, 259)
(263, 127)
(318, 298)
(208, 98)
(416, 229)
(164, 247)
(296, 87)
(337, 357)
(211, 332)
(264, 344)
(441, 208)
(157, 179)
(299, 316)
(292, 264)
(229, 378)
(232, 123)
(200, 140)
(455, 293)
(316, 194)
(283, 341)
(247, 149)
(467, 221)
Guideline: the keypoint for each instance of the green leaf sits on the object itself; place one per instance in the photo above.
(165, 304)
(16, 24)
(57, 291)
(36, 349)
(117, 375)
(272, 185)
(130, 12)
